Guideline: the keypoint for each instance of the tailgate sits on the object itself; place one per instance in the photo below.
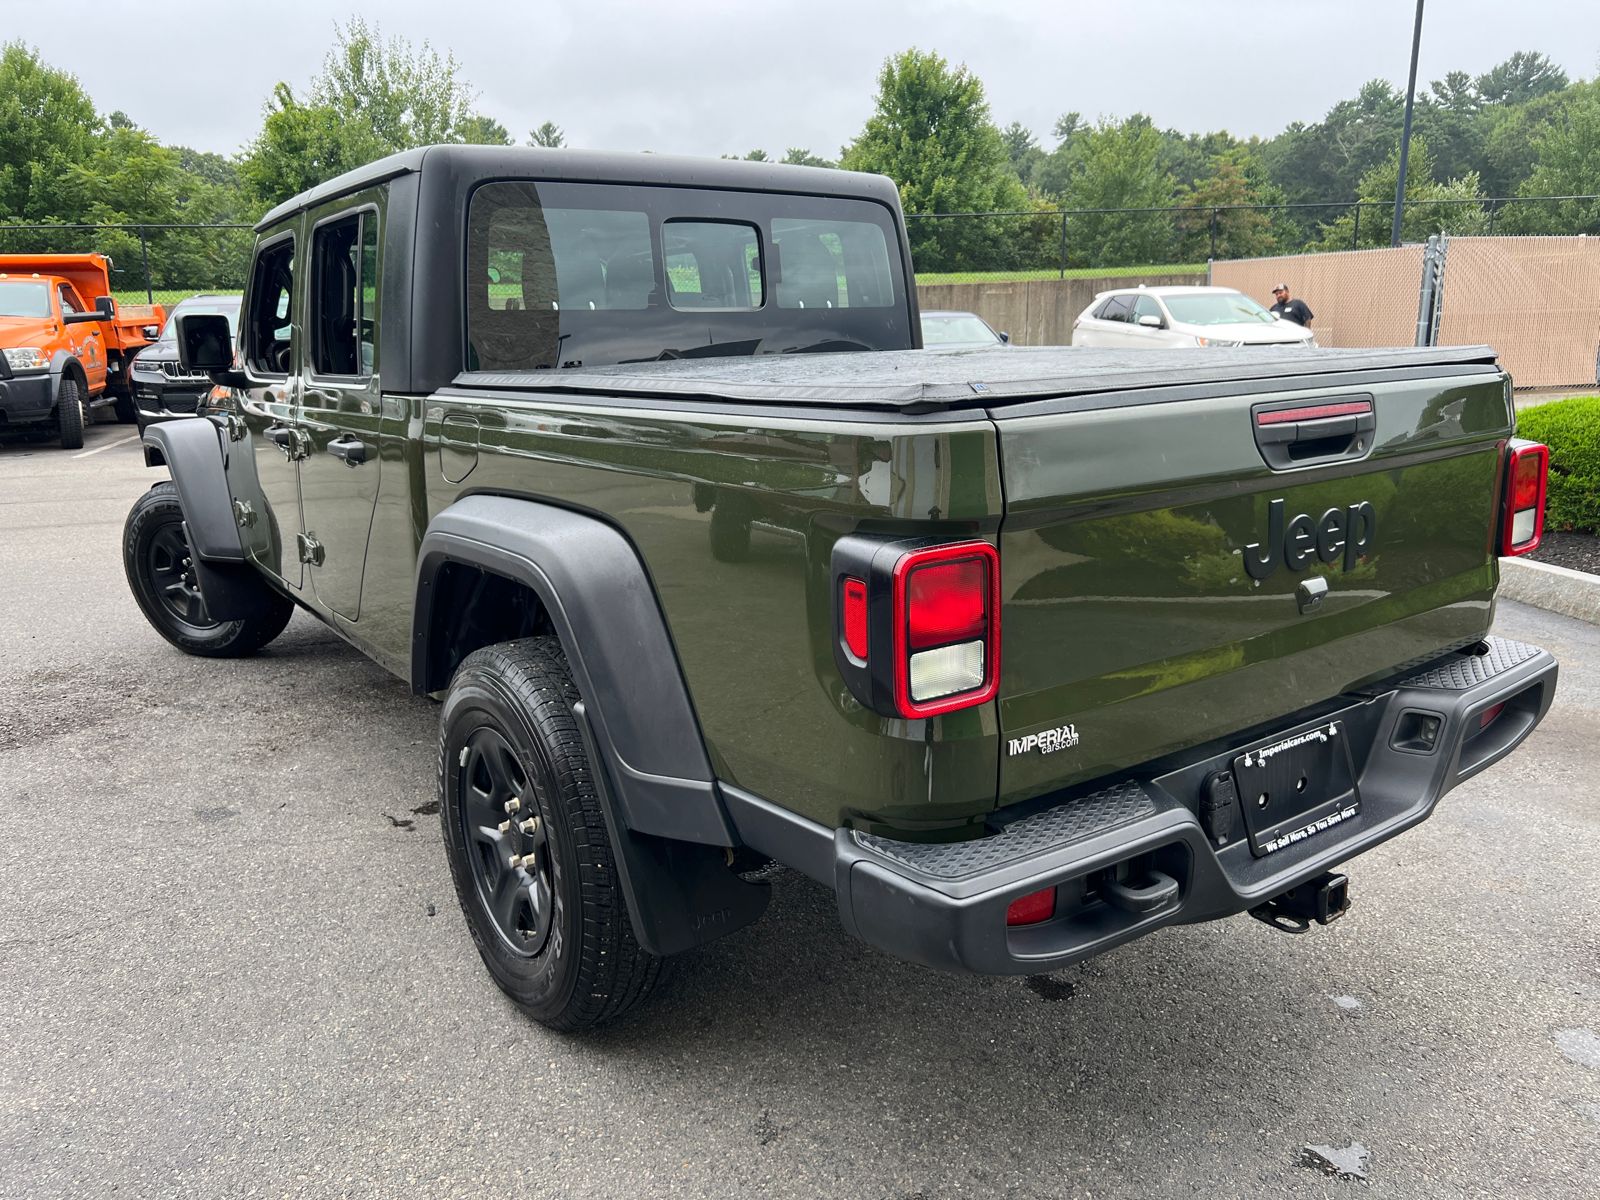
(1131, 624)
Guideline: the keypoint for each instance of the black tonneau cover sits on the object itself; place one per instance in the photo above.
(916, 381)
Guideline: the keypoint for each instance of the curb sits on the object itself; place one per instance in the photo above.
(1555, 589)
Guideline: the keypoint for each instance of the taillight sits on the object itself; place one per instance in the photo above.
(917, 627)
(1523, 520)
(1032, 908)
(1489, 714)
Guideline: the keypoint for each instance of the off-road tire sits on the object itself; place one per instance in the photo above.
(154, 556)
(582, 965)
(69, 414)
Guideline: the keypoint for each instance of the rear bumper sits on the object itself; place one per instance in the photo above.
(945, 905)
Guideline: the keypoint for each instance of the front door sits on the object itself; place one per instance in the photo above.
(265, 445)
(341, 403)
(86, 340)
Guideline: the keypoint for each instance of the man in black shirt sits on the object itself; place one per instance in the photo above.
(1290, 310)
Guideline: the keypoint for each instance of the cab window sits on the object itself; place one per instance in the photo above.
(271, 317)
(344, 296)
(69, 299)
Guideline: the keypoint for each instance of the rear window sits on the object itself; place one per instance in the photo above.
(565, 275)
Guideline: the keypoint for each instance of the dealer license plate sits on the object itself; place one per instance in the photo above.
(1296, 787)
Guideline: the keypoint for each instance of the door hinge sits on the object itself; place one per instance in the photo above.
(243, 514)
(235, 427)
(311, 550)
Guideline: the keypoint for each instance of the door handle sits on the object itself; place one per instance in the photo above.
(348, 448)
(295, 443)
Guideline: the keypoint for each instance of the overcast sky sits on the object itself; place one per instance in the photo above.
(714, 76)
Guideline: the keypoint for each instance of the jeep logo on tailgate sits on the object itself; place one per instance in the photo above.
(1350, 532)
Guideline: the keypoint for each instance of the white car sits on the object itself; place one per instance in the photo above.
(1163, 318)
(959, 330)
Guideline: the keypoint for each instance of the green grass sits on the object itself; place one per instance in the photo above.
(169, 297)
(1072, 273)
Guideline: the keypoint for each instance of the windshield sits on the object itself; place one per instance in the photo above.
(956, 328)
(24, 299)
(169, 331)
(1217, 308)
(581, 274)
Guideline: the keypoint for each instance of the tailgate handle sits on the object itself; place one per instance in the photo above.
(1158, 893)
(1299, 434)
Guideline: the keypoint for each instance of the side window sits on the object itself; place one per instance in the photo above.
(831, 264)
(270, 321)
(344, 276)
(1146, 306)
(69, 299)
(1115, 309)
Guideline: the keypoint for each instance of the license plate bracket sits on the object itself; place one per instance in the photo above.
(1296, 786)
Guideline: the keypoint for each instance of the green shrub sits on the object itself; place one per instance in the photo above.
(1571, 428)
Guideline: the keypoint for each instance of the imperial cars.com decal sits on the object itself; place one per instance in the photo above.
(1047, 742)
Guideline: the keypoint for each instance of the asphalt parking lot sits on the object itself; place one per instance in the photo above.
(232, 964)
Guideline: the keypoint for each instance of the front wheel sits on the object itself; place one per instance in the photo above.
(161, 573)
(69, 415)
(533, 865)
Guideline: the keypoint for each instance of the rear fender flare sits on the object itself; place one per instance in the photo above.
(598, 595)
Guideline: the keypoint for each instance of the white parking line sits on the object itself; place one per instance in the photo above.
(108, 446)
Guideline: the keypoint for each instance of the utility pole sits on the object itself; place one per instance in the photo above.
(1405, 134)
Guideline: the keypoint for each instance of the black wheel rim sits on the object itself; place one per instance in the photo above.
(508, 843)
(172, 575)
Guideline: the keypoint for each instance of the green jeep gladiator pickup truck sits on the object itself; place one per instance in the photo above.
(637, 465)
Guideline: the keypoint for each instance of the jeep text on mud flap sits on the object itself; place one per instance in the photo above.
(635, 464)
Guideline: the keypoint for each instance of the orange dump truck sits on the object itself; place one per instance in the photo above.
(65, 344)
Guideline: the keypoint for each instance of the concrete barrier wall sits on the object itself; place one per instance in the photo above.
(1036, 312)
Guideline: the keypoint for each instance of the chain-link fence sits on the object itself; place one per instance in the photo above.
(151, 264)
(1065, 243)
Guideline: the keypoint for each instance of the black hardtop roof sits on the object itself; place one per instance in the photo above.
(930, 380)
(595, 166)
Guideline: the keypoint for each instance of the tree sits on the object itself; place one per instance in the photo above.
(374, 97)
(1522, 77)
(1325, 162)
(1420, 219)
(1117, 166)
(485, 131)
(1568, 165)
(931, 133)
(1023, 151)
(1211, 206)
(47, 124)
(796, 157)
(548, 135)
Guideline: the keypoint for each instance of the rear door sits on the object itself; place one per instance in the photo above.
(341, 402)
(1133, 620)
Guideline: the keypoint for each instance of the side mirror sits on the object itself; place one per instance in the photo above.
(205, 344)
(106, 306)
(1005, 338)
(1150, 321)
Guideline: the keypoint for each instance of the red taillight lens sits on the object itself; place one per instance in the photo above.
(947, 628)
(855, 617)
(947, 602)
(1523, 520)
(1489, 714)
(1032, 908)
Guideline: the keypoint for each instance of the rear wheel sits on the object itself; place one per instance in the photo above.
(161, 574)
(533, 864)
(69, 414)
(127, 411)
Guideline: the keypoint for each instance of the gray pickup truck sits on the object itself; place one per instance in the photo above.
(637, 466)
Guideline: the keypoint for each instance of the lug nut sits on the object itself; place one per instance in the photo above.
(513, 804)
(505, 826)
(518, 861)
(530, 826)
